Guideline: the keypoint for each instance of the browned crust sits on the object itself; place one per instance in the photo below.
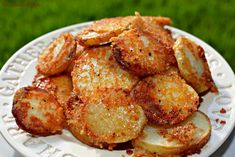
(120, 56)
(120, 23)
(145, 49)
(49, 64)
(145, 94)
(196, 147)
(103, 30)
(138, 59)
(99, 39)
(154, 29)
(106, 28)
(53, 122)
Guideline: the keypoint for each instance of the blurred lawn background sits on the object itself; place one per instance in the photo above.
(24, 20)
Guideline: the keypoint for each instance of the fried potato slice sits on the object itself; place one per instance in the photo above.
(166, 98)
(104, 122)
(59, 85)
(146, 49)
(73, 112)
(114, 118)
(97, 69)
(140, 53)
(56, 58)
(184, 139)
(36, 111)
(193, 65)
(101, 31)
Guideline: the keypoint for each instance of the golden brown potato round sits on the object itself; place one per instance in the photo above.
(75, 124)
(56, 58)
(97, 69)
(183, 139)
(37, 111)
(146, 49)
(193, 65)
(101, 31)
(113, 118)
(141, 53)
(166, 98)
(59, 85)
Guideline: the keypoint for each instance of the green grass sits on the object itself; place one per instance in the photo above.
(24, 20)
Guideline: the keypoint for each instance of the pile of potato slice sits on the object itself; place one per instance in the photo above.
(118, 80)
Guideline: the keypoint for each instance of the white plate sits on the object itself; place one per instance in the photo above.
(20, 69)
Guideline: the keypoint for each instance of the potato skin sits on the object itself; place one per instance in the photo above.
(36, 111)
(166, 98)
(57, 56)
